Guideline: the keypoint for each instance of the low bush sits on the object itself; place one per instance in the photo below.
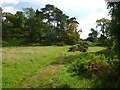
(90, 43)
(14, 42)
(82, 47)
(97, 66)
(89, 68)
(72, 49)
(62, 43)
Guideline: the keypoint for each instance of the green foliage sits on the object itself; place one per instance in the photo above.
(73, 48)
(97, 66)
(102, 35)
(47, 26)
(29, 12)
(89, 68)
(93, 36)
(35, 28)
(90, 43)
(13, 42)
(115, 24)
(13, 26)
(104, 25)
(61, 43)
(21, 20)
(83, 46)
(64, 79)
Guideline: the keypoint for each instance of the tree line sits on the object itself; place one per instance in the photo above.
(47, 26)
(114, 8)
(50, 26)
(101, 35)
(107, 32)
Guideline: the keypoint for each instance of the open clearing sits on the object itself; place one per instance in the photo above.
(33, 67)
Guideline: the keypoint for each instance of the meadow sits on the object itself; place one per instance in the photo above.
(41, 66)
(35, 51)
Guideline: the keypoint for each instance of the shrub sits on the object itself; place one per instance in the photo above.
(13, 42)
(97, 66)
(90, 43)
(115, 72)
(62, 43)
(81, 47)
(89, 68)
(84, 44)
(72, 49)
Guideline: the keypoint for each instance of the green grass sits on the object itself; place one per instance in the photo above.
(63, 79)
(31, 67)
(21, 63)
(95, 49)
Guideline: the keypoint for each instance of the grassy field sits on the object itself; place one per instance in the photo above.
(25, 67)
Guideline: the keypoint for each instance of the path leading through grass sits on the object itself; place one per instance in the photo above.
(32, 66)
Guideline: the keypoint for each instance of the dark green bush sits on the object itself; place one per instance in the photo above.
(62, 43)
(82, 47)
(84, 44)
(115, 72)
(72, 49)
(89, 68)
(14, 42)
(97, 66)
(90, 43)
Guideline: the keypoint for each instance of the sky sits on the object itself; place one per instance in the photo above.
(85, 11)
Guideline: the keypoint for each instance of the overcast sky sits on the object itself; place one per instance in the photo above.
(86, 11)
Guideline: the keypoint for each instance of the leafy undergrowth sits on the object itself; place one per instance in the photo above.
(97, 69)
(103, 70)
(65, 79)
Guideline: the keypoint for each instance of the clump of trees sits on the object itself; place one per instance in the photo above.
(47, 26)
(115, 25)
(101, 35)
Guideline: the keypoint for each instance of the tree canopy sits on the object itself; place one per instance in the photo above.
(46, 26)
(114, 8)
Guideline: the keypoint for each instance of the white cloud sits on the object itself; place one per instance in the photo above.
(8, 2)
(9, 9)
(70, 4)
(90, 22)
(8, 5)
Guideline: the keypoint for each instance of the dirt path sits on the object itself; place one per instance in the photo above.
(43, 76)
